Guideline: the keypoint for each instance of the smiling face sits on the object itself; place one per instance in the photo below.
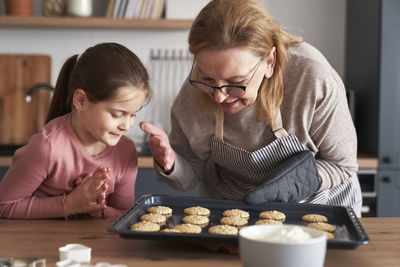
(102, 124)
(234, 66)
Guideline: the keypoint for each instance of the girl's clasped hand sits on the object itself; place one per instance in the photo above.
(89, 194)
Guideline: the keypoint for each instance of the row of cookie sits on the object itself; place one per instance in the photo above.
(150, 222)
(229, 223)
(158, 215)
(201, 211)
(199, 216)
(316, 221)
(320, 222)
(195, 218)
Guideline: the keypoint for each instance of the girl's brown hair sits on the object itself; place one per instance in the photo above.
(99, 71)
(224, 24)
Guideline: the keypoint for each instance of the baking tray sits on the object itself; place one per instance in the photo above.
(349, 230)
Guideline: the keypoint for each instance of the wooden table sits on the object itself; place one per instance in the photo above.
(42, 238)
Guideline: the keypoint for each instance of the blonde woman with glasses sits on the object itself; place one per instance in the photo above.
(261, 117)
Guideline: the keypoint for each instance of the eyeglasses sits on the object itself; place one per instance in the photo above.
(232, 90)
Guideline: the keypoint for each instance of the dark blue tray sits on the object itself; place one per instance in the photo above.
(349, 230)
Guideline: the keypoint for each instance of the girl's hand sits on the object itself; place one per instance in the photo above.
(98, 214)
(160, 148)
(86, 195)
(102, 197)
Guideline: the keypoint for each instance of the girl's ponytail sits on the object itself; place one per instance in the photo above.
(60, 102)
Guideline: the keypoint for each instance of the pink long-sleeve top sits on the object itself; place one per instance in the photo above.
(43, 172)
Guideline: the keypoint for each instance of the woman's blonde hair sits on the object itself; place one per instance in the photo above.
(224, 24)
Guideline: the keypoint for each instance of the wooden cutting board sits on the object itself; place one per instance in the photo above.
(18, 118)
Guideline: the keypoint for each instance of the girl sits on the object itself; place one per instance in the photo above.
(80, 162)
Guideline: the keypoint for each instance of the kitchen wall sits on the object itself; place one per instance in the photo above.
(320, 22)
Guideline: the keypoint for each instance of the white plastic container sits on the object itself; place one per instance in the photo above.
(79, 8)
(75, 252)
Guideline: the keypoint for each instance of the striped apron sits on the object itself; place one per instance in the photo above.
(238, 170)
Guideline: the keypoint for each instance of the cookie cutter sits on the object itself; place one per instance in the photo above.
(72, 263)
(106, 264)
(76, 252)
(23, 262)
(68, 263)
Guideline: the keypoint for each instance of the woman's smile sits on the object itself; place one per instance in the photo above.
(230, 103)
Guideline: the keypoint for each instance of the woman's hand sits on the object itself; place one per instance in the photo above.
(89, 194)
(160, 148)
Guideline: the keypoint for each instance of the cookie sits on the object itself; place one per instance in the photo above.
(154, 218)
(197, 211)
(272, 215)
(310, 218)
(236, 213)
(234, 221)
(196, 219)
(329, 236)
(188, 228)
(323, 226)
(268, 221)
(145, 226)
(223, 230)
(163, 210)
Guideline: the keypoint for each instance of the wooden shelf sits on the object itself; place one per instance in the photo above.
(93, 22)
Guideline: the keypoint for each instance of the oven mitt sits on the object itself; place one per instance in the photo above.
(294, 180)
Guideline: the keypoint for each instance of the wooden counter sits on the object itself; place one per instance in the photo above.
(364, 162)
(144, 162)
(42, 238)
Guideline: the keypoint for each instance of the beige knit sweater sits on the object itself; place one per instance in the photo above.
(314, 108)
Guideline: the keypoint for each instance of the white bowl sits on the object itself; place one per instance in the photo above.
(277, 245)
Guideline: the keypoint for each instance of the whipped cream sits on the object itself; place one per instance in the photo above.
(292, 235)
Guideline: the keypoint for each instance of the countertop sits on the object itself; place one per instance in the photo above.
(143, 162)
(42, 238)
(364, 162)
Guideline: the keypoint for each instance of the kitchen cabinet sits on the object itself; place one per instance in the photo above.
(388, 179)
(23, 103)
(373, 72)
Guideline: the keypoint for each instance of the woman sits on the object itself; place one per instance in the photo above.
(255, 98)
